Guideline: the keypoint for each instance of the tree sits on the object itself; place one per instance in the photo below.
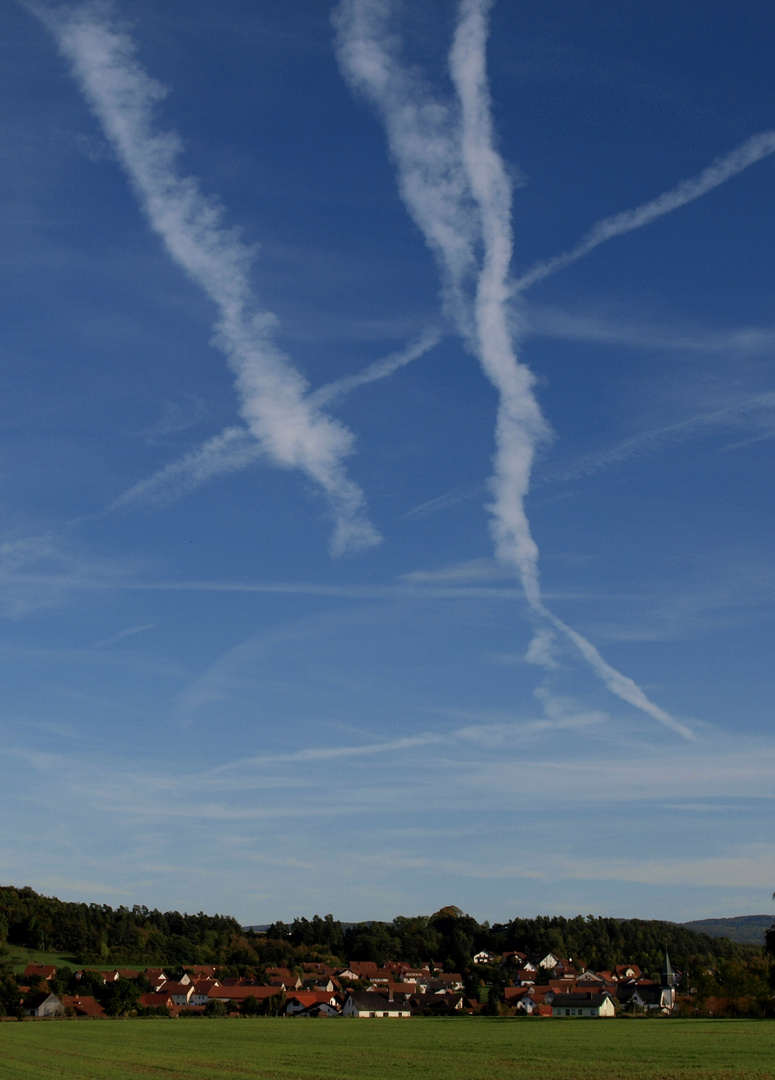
(215, 1007)
(120, 997)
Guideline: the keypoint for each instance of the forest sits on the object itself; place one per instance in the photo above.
(100, 935)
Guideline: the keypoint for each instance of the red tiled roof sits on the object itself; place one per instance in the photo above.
(311, 997)
(240, 993)
(83, 1006)
(154, 1001)
(40, 971)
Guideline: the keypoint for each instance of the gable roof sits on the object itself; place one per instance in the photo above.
(580, 1000)
(365, 1001)
(40, 971)
(83, 1006)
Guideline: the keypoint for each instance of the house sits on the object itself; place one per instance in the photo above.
(372, 1005)
(44, 1004)
(319, 982)
(589, 1005)
(643, 997)
(86, 1007)
(444, 1002)
(180, 993)
(201, 992)
(627, 971)
(203, 971)
(312, 1003)
(415, 975)
(593, 978)
(36, 972)
(155, 1001)
(238, 994)
(442, 981)
(483, 957)
(521, 998)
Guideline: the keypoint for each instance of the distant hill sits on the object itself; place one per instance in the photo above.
(744, 929)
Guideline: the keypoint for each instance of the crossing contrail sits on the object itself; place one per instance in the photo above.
(292, 431)
(461, 200)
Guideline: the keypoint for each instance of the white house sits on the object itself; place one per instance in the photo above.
(373, 1005)
(589, 1005)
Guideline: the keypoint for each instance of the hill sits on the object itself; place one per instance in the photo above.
(744, 929)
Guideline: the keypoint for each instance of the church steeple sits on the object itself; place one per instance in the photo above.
(668, 975)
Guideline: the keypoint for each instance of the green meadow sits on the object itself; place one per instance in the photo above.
(445, 1049)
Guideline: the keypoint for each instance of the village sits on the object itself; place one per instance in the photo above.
(547, 986)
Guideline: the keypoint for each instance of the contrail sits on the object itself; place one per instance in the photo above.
(475, 198)
(422, 138)
(292, 431)
(235, 448)
(380, 369)
(748, 153)
(617, 683)
(520, 426)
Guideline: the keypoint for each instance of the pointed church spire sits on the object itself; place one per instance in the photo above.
(668, 975)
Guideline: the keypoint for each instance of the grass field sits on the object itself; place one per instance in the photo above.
(19, 957)
(445, 1049)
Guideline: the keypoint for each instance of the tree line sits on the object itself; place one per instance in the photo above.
(99, 934)
(451, 938)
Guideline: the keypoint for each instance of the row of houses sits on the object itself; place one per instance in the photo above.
(545, 986)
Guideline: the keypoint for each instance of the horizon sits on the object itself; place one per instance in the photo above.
(388, 424)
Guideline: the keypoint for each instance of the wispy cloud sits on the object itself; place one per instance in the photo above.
(422, 135)
(176, 416)
(129, 632)
(380, 369)
(332, 753)
(651, 334)
(471, 570)
(542, 649)
(235, 448)
(456, 187)
(292, 431)
(724, 168)
(446, 501)
(624, 687)
(754, 410)
(520, 427)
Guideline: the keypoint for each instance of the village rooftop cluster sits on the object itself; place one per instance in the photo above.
(544, 986)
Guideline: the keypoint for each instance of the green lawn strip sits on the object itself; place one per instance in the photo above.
(20, 957)
(455, 1049)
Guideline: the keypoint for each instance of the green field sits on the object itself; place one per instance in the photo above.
(19, 957)
(445, 1049)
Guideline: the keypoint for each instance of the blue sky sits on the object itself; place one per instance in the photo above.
(388, 419)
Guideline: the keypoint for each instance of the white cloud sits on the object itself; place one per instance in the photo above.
(291, 430)
(235, 448)
(542, 649)
(129, 632)
(754, 410)
(724, 168)
(457, 189)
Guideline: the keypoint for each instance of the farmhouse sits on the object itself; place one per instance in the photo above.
(371, 1005)
(589, 1005)
(44, 1004)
